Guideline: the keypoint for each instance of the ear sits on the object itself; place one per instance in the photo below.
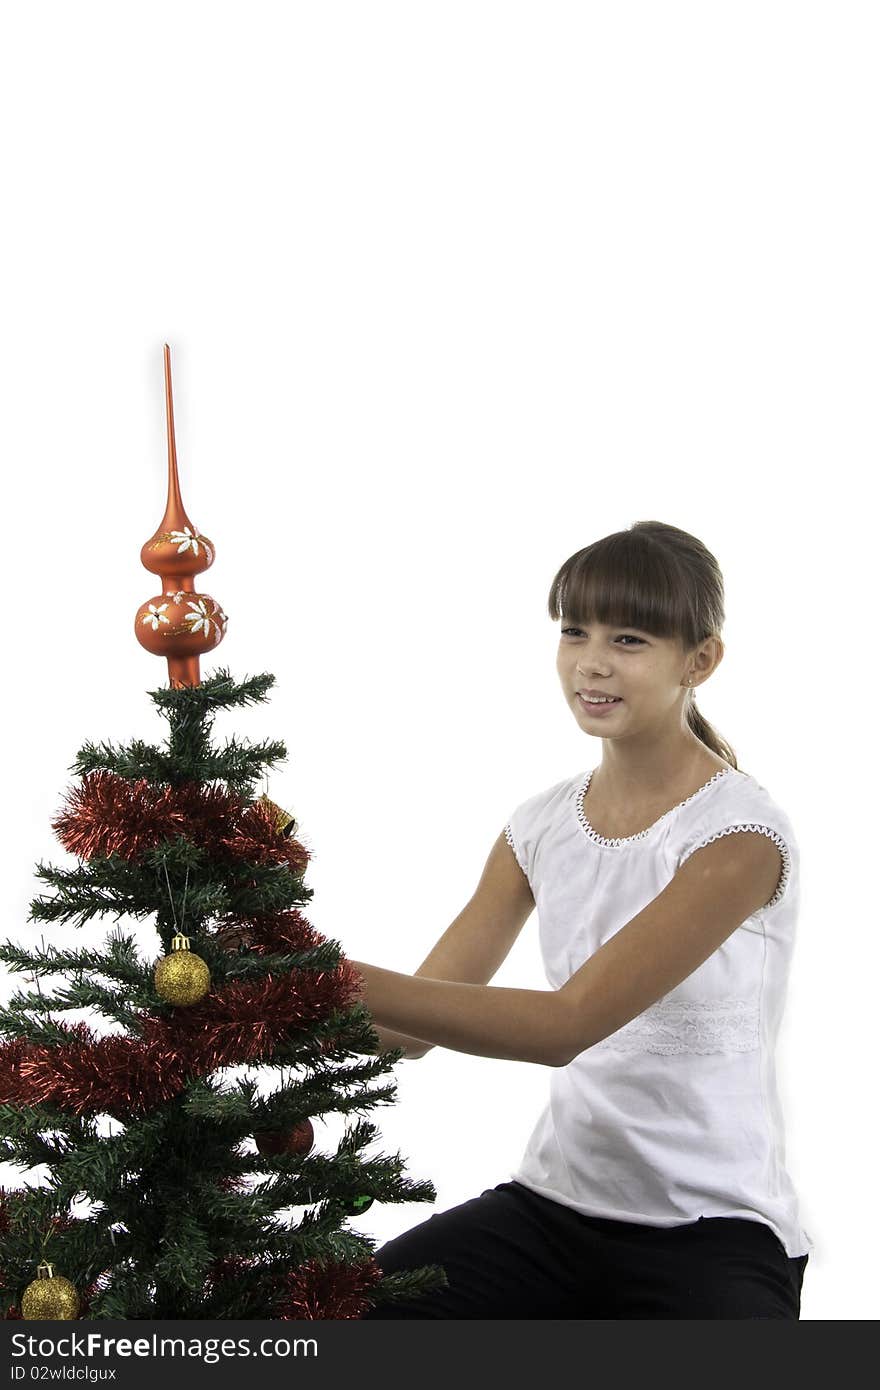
(708, 655)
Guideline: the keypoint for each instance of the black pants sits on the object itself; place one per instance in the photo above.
(511, 1253)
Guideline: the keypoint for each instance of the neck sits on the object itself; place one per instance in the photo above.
(629, 773)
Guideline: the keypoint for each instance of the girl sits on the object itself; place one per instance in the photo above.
(654, 1182)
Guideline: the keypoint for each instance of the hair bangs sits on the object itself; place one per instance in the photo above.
(621, 581)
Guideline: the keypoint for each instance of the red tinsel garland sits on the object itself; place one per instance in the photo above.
(268, 933)
(124, 1076)
(107, 814)
(329, 1289)
(243, 1022)
(225, 1268)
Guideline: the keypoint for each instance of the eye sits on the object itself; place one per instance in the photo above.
(624, 635)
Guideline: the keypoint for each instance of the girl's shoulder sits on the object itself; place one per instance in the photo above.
(550, 800)
(739, 789)
(544, 812)
(734, 801)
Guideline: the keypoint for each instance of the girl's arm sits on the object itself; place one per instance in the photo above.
(521, 1025)
(719, 887)
(471, 949)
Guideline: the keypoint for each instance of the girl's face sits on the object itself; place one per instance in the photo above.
(648, 675)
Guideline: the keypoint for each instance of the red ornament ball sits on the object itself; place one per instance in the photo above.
(298, 1140)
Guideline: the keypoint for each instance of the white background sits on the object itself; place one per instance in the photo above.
(452, 291)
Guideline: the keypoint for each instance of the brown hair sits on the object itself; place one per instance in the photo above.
(654, 577)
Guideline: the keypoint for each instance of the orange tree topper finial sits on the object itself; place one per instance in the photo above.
(179, 623)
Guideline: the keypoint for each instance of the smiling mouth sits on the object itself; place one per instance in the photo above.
(598, 704)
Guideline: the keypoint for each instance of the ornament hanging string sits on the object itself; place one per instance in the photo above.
(170, 894)
(171, 898)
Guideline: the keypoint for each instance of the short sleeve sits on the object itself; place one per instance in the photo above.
(783, 841)
(531, 822)
(508, 835)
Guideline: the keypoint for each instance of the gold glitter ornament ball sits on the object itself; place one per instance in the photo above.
(181, 978)
(50, 1297)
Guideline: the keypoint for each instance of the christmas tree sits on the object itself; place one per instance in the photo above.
(187, 1218)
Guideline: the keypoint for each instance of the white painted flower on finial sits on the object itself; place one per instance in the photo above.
(189, 540)
(199, 618)
(155, 615)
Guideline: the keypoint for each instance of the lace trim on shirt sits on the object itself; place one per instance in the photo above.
(762, 830)
(508, 835)
(701, 1026)
(630, 839)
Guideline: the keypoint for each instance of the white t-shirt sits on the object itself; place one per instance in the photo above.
(676, 1115)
